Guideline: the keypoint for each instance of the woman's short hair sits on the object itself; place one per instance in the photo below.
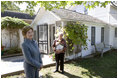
(58, 34)
(25, 30)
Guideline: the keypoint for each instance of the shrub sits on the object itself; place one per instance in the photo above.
(12, 23)
(13, 50)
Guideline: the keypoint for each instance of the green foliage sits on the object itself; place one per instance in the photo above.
(13, 50)
(12, 23)
(9, 5)
(52, 55)
(76, 34)
(49, 5)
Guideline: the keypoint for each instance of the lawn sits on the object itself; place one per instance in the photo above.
(95, 67)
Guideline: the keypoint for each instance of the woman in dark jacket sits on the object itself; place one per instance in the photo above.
(31, 53)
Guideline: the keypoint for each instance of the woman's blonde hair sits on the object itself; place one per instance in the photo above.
(25, 30)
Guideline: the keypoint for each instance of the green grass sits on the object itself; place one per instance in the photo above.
(96, 67)
(105, 67)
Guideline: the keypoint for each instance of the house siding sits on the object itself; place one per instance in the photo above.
(115, 41)
(113, 15)
(112, 34)
(91, 48)
(109, 15)
(14, 39)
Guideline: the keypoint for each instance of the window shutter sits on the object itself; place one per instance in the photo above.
(102, 34)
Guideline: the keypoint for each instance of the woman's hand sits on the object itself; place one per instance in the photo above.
(57, 43)
(41, 67)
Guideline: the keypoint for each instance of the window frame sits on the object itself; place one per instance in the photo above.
(102, 34)
(93, 30)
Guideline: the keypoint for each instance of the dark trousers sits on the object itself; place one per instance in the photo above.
(59, 61)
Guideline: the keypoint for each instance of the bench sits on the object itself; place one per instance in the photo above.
(102, 47)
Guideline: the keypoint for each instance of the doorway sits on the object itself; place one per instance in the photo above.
(42, 38)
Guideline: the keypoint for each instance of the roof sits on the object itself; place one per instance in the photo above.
(114, 3)
(17, 15)
(75, 16)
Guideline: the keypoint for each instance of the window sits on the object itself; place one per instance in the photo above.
(102, 34)
(115, 32)
(92, 35)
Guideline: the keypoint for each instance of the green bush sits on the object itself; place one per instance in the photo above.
(52, 55)
(13, 50)
(12, 23)
(76, 33)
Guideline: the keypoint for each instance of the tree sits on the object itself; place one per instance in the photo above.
(12, 23)
(9, 5)
(49, 5)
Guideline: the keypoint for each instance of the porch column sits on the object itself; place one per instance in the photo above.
(48, 39)
(111, 35)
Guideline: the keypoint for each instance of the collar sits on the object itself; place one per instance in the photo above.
(28, 40)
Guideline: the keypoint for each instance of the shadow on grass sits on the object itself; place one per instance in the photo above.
(70, 75)
(105, 67)
(48, 75)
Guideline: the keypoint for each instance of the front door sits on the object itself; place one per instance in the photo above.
(42, 32)
(51, 35)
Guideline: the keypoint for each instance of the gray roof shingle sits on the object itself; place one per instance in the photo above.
(17, 15)
(75, 16)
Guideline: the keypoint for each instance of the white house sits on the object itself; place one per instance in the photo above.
(47, 22)
(108, 15)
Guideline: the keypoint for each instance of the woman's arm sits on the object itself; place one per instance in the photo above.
(28, 57)
(40, 59)
(54, 46)
(65, 46)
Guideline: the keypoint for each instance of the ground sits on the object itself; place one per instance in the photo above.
(96, 67)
